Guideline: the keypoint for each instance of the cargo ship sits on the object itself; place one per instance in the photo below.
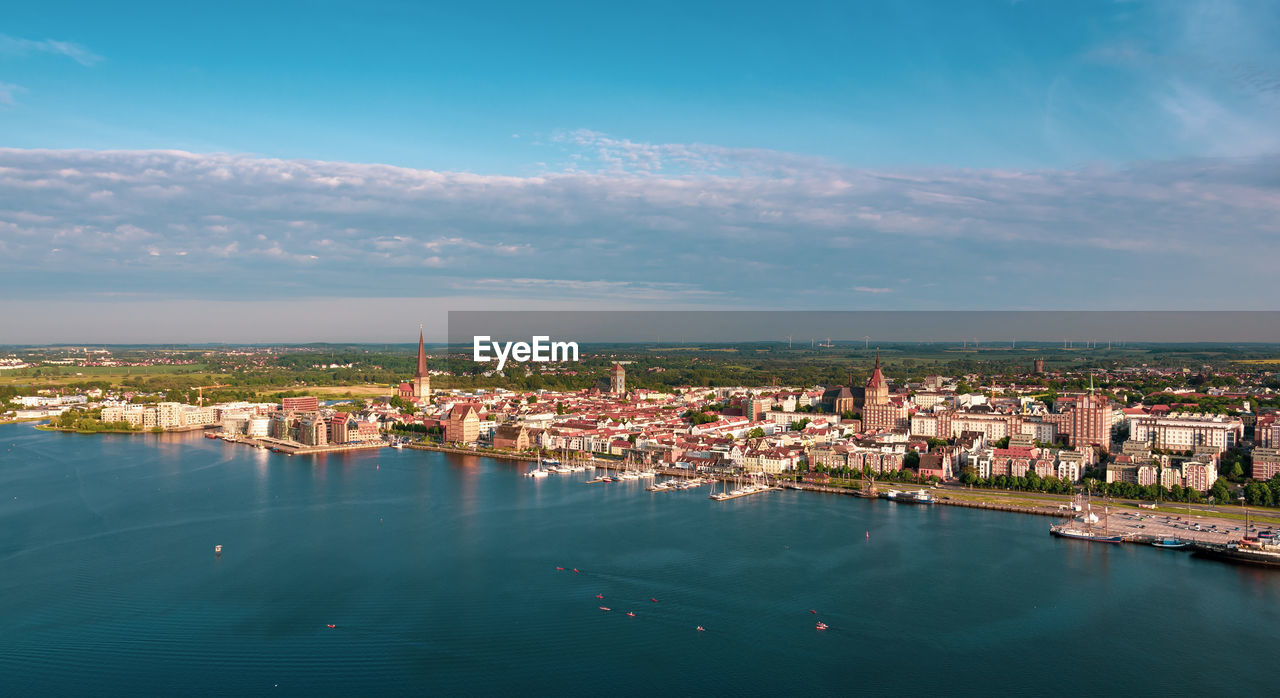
(1247, 554)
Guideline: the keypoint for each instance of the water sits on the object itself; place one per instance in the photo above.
(439, 573)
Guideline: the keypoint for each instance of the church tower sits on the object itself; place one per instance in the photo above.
(877, 388)
(421, 380)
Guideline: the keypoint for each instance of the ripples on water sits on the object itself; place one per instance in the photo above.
(439, 575)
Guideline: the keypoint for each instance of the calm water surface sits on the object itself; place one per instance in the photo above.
(439, 575)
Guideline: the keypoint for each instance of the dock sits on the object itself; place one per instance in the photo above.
(296, 449)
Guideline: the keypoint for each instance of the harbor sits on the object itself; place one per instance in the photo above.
(486, 541)
(1128, 523)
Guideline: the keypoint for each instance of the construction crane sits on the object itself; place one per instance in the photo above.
(200, 391)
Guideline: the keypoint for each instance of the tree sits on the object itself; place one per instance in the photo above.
(912, 460)
(756, 433)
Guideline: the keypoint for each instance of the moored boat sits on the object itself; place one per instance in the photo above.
(1075, 533)
(1171, 543)
(1261, 555)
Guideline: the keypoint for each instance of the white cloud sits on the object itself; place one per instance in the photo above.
(7, 92)
(15, 46)
(780, 226)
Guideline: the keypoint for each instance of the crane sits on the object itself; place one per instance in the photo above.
(200, 391)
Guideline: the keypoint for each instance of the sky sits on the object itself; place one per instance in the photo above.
(339, 171)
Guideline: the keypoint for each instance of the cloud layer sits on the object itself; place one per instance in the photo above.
(686, 224)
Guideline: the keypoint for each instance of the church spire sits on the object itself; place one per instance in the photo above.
(422, 356)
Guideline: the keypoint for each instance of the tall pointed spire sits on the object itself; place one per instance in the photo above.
(421, 379)
(422, 356)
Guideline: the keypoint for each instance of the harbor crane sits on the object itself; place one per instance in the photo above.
(200, 391)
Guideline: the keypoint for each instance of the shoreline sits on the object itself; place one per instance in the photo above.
(1129, 515)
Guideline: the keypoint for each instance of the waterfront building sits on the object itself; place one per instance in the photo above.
(462, 424)
(338, 425)
(258, 426)
(514, 437)
(313, 430)
(164, 415)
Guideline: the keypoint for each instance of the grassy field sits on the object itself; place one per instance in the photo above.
(336, 391)
(111, 374)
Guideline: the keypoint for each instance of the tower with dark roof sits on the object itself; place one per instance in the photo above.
(877, 392)
(617, 379)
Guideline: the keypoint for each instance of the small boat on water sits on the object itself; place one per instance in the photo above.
(1171, 543)
(631, 613)
(599, 596)
(701, 629)
(605, 608)
(821, 626)
(217, 550)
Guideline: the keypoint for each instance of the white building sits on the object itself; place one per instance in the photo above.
(1184, 432)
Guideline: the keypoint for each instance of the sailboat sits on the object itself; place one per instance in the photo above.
(1075, 530)
(538, 471)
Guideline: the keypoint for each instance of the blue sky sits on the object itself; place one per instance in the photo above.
(806, 155)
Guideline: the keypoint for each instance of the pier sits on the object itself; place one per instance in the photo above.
(296, 449)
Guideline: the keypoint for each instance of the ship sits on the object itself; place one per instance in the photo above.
(1247, 554)
(1081, 528)
(1171, 543)
(1077, 533)
(917, 497)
